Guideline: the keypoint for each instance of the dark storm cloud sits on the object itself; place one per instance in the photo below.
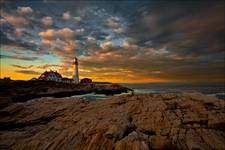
(188, 28)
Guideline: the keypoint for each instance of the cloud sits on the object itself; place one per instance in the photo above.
(91, 40)
(129, 45)
(50, 34)
(182, 57)
(48, 66)
(107, 45)
(22, 67)
(115, 24)
(19, 32)
(194, 31)
(77, 20)
(155, 72)
(16, 21)
(184, 31)
(102, 57)
(156, 52)
(66, 15)
(61, 42)
(47, 21)
(70, 47)
(24, 10)
(24, 46)
(17, 57)
(150, 22)
(149, 43)
(66, 33)
(4, 56)
(80, 31)
(2, 21)
(119, 30)
(28, 72)
(145, 43)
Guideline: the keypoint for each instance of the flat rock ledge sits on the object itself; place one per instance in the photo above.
(127, 122)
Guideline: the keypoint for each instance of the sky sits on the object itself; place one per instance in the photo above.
(116, 41)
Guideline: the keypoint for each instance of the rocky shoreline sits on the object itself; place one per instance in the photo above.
(144, 121)
(22, 91)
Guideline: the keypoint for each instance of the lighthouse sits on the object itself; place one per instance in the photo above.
(76, 72)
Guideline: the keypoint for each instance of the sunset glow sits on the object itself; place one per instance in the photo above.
(121, 42)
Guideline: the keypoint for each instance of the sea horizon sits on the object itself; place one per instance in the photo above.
(206, 88)
(214, 90)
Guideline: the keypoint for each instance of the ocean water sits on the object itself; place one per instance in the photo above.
(93, 96)
(216, 90)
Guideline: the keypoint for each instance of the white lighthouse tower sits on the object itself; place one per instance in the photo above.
(76, 72)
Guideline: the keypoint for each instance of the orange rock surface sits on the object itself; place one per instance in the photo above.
(128, 122)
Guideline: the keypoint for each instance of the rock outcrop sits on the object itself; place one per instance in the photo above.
(9, 91)
(146, 121)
